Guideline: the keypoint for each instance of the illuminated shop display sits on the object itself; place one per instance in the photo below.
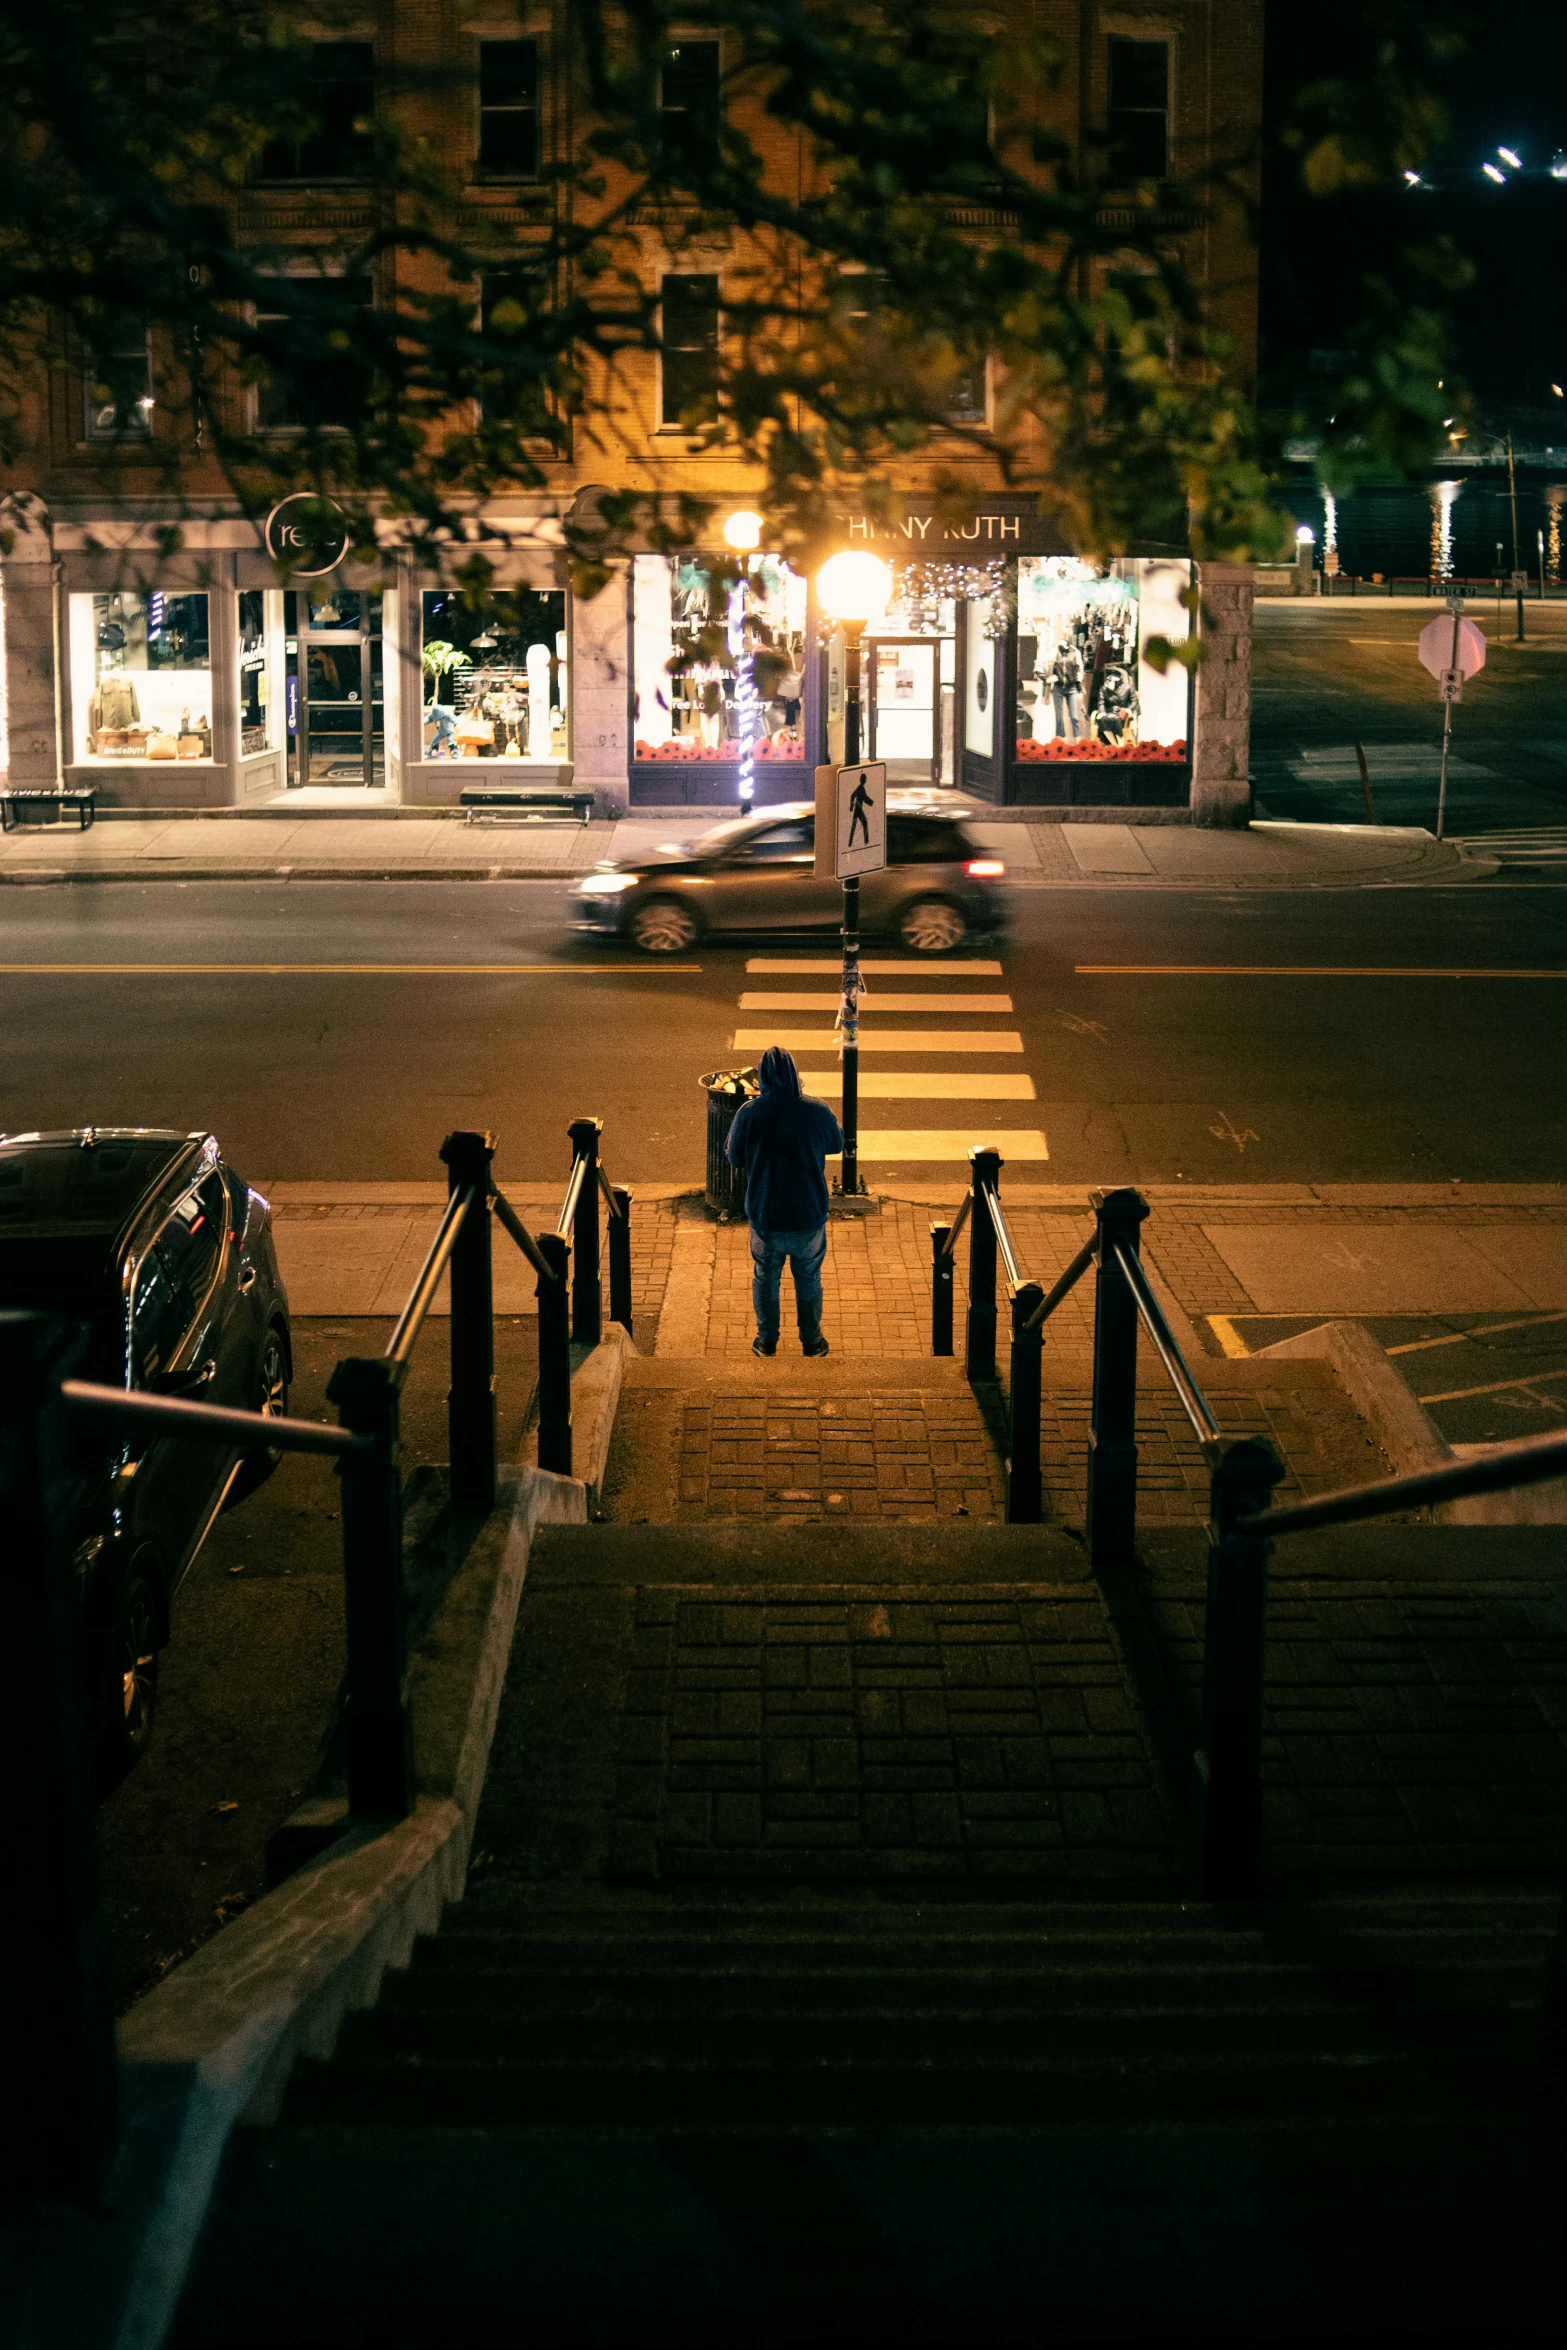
(141, 676)
(712, 683)
(262, 670)
(1085, 691)
(495, 677)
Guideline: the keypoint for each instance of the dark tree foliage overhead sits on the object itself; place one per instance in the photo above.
(126, 137)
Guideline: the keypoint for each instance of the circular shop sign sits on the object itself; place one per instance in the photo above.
(308, 536)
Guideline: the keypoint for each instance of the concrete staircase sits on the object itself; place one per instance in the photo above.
(824, 1965)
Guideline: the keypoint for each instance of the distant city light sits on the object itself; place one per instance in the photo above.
(1515, 162)
(1412, 179)
(1492, 173)
(1557, 389)
(1559, 167)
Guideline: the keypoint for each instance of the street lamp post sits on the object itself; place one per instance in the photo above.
(852, 589)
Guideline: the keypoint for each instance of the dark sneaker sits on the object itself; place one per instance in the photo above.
(817, 1346)
(764, 1346)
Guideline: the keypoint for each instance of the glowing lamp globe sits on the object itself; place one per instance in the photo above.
(743, 532)
(854, 586)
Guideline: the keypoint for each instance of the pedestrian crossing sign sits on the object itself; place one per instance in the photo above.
(860, 845)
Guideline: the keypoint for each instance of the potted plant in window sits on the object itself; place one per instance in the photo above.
(441, 661)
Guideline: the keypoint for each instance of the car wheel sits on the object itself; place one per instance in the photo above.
(272, 1389)
(129, 1693)
(932, 926)
(663, 927)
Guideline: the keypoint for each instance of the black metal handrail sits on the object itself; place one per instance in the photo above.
(1063, 1287)
(164, 1411)
(1528, 1462)
(1193, 1401)
(568, 1214)
(400, 1346)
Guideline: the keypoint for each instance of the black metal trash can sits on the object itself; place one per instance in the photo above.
(727, 1092)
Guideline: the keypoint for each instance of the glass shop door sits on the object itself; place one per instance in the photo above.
(338, 732)
(904, 680)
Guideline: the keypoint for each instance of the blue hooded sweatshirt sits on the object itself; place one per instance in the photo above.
(781, 1140)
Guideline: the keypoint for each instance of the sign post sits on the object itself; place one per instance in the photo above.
(851, 816)
(1452, 649)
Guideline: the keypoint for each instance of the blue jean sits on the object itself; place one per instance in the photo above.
(805, 1252)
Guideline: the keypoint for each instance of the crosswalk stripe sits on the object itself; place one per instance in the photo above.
(913, 1040)
(923, 966)
(755, 1002)
(934, 1142)
(930, 1085)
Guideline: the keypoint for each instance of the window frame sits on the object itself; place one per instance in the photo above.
(673, 422)
(515, 269)
(280, 426)
(92, 429)
(492, 173)
(304, 172)
(668, 115)
(1136, 114)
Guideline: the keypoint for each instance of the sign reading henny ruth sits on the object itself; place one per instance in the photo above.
(999, 526)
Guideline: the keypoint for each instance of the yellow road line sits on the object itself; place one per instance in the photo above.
(1494, 1386)
(1299, 971)
(1229, 1337)
(347, 970)
(1416, 1346)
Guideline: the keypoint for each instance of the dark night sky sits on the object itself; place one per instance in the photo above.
(1509, 88)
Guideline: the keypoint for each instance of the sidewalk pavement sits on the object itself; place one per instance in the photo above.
(881, 1429)
(1040, 849)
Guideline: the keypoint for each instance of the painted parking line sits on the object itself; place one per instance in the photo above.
(922, 967)
(647, 970)
(1420, 1346)
(935, 1142)
(755, 1002)
(1301, 971)
(912, 1040)
(928, 1085)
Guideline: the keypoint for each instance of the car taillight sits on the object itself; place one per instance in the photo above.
(985, 868)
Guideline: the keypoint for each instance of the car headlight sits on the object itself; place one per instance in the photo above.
(608, 885)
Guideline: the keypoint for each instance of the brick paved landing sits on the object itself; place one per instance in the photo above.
(925, 1704)
(911, 1443)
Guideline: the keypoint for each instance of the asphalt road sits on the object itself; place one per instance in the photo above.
(1233, 1074)
(1329, 675)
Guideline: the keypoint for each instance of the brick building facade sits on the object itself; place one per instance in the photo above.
(1008, 667)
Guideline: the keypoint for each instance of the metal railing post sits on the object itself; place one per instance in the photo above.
(1025, 1488)
(941, 1270)
(62, 2084)
(980, 1333)
(620, 1259)
(375, 1713)
(555, 1356)
(586, 1303)
(470, 1399)
(1229, 1763)
(1112, 1436)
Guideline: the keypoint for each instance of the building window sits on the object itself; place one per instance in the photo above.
(308, 386)
(509, 109)
(495, 675)
(141, 676)
(690, 707)
(117, 380)
(515, 386)
(261, 671)
(689, 105)
(1084, 688)
(688, 389)
(338, 93)
(1139, 109)
(864, 293)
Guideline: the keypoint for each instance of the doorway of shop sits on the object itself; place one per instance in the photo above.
(336, 707)
(910, 695)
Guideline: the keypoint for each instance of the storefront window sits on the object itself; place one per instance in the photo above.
(694, 665)
(141, 677)
(495, 678)
(1085, 689)
(261, 659)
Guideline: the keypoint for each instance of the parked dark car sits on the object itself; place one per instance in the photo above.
(165, 1258)
(941, 887)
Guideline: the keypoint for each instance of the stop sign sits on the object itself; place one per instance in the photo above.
(1441, 651)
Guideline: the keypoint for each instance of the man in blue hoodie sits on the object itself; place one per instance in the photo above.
(781, 1140)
